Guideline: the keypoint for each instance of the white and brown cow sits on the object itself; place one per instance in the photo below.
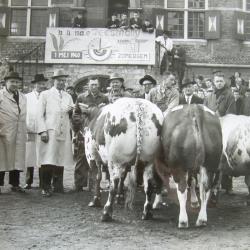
(121, 135)
(192, 144)
(236, 147)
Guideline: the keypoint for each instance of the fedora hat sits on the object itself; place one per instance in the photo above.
(39, 78)
(13, 75)
(186, 82)
(115, 76)
(149, 78)
(59, 73)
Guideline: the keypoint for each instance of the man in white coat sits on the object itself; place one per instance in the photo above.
(53, 126)
(40, 83)
(12, 130)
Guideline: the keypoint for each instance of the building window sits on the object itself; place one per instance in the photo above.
(248, 5)
(186, 18)
(29, 17)
(196, 25)
(39, 22)
(18, 22)
(176, 23)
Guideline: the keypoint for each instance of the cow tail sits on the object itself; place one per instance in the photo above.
(200, 150)
(131, 180)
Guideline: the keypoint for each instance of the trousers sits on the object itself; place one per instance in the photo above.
(14, 178)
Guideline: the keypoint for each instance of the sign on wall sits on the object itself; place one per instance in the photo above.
(99, 46)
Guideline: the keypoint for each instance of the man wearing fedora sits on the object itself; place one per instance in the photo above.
(188, 96)
(93, 98)
(148, 82)
(40, 84)
(53, 126)
(117, 88)
(12, 130)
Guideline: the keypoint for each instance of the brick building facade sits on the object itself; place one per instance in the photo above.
(215, 33)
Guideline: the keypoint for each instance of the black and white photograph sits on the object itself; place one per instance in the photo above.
(124, 124)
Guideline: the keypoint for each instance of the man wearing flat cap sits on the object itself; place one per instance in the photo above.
(148, 82)
(12, 130)
(40, 84)
(188, 96)
(222, 102)
(117, 88)
(53, 126)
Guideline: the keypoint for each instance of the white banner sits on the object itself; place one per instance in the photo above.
(99, 46)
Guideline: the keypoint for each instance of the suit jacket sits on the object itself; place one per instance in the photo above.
(137, 22)
(195, 100)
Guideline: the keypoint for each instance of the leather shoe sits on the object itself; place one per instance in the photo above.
(18, 189)
(27, 186)
(45, 193)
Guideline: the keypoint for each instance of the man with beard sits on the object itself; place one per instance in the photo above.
(222, 102)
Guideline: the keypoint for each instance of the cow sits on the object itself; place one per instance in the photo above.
(236, 147)
(121, 136)
(192, 144)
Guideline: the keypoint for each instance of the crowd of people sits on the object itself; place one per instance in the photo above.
(37, 129)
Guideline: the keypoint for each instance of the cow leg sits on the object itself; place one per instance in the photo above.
(97, 170)
(182, 197)
(247, 181)
(194, 198)
(148, 188)
(158, 202)
(120, 193)
(204, 196)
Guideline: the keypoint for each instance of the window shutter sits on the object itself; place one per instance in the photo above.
(212, 24)
(54, 17)
(240, 23)
(159, 17)
(4, 21)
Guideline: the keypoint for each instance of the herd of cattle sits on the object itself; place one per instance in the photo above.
(190, 143)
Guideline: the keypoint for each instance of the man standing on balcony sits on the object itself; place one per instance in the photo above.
(166, 46)
(31, 122)
(12, 130)
(135, 22)
(53, 126)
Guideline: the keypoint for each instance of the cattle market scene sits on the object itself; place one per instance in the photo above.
(124, 124)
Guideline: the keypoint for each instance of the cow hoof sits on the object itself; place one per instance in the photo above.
(106, 218)
(147, 216)
(195, 204)
(183, 224)
(201, 223)
(95, 203)
(120, 200)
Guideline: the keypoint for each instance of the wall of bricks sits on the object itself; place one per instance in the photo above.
(226, 50)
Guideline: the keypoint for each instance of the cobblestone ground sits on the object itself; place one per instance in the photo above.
(63, 221)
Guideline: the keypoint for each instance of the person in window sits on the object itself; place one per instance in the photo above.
(13, 107)
(166, 46)
(179, 63)
(147, 26)
(135, 22)
(79, 21)
(113, 23)
(188, 96)
(124, 23)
